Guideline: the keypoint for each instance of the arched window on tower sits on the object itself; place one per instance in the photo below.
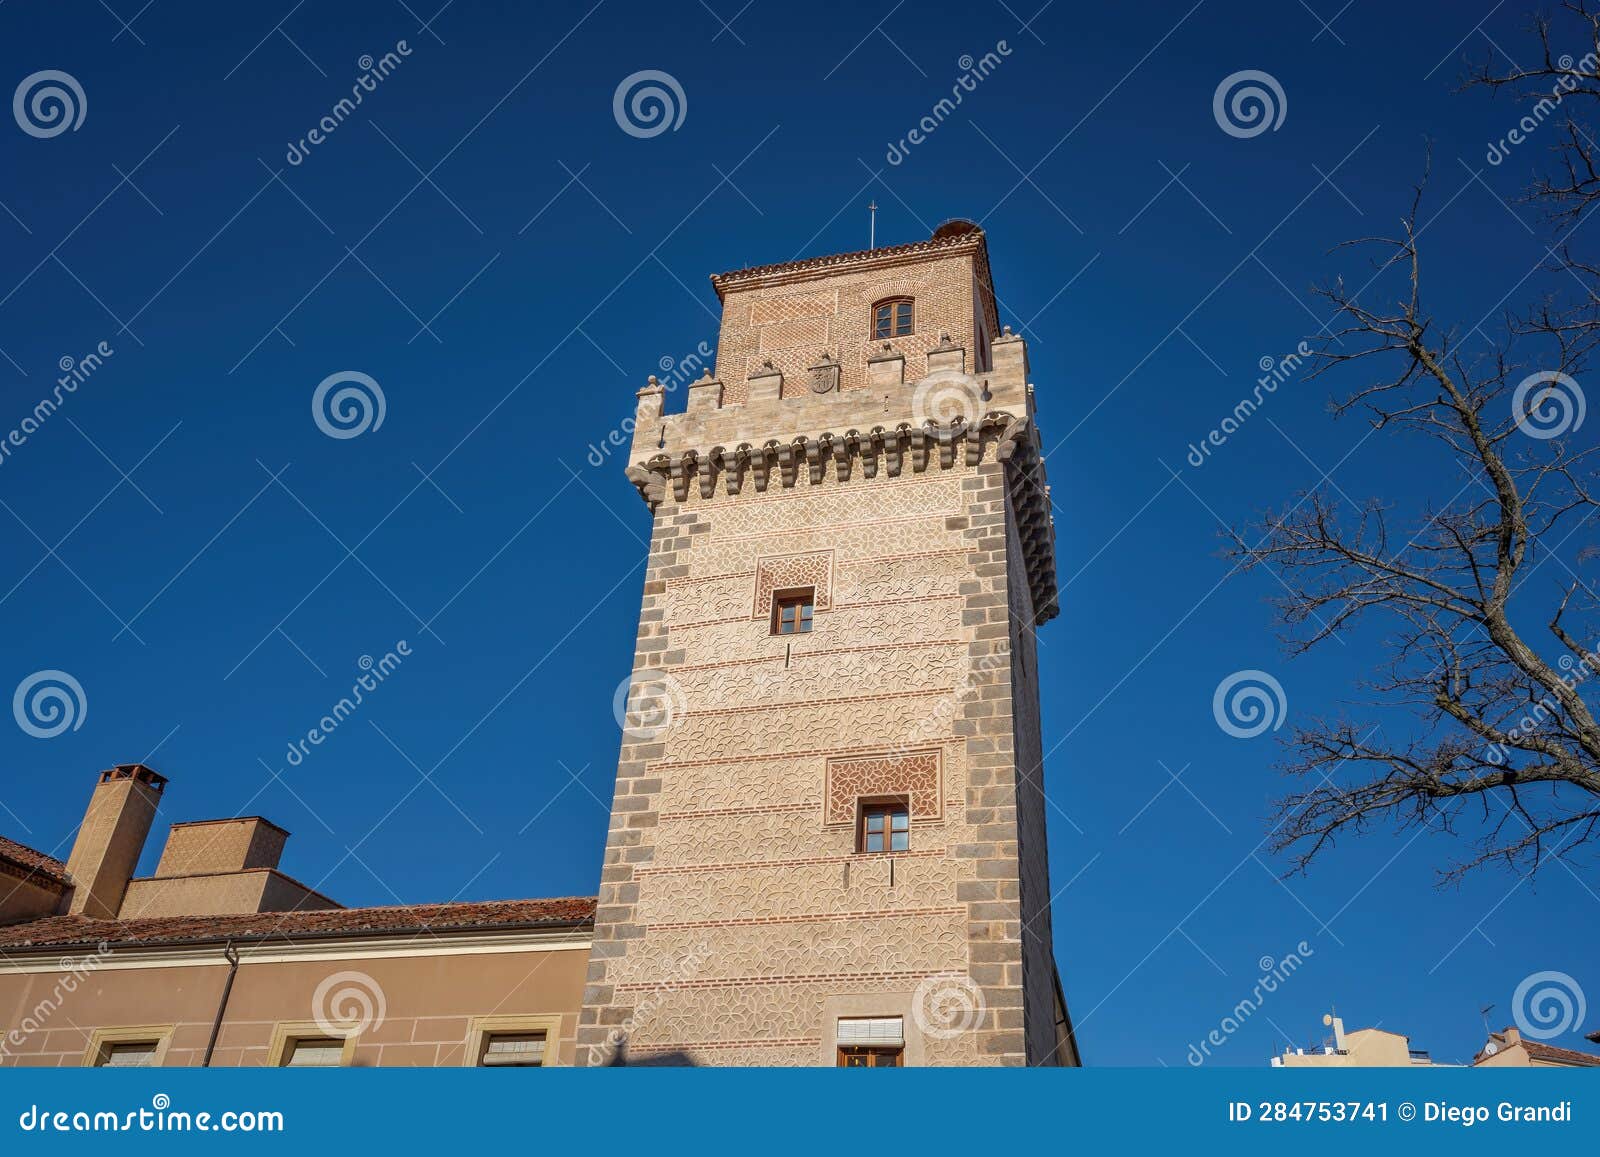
(892, 317)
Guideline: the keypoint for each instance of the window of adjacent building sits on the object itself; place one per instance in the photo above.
(871, 1042)
(885, 827)
(129, 1055)
(892, 318)
(519, 1050)
(314, 1053)
(792, 610)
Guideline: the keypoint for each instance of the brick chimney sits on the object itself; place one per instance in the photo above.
(112, 835)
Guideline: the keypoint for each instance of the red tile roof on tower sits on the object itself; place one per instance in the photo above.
(56, 932)
(955, 234)
(33, 862)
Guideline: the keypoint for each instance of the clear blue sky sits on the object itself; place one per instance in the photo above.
(184, 491)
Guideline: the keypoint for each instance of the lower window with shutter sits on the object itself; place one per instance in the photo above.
(130, 1055)
(516, 1050)
(315, 1053)
(142, 1046)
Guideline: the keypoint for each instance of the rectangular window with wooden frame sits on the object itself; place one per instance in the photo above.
(885, 826)
(871, 1058)
(792, 610)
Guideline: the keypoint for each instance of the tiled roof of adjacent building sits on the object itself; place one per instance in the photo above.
(56, 932)
(33, 862)
(1555, 1055)
(951, 235)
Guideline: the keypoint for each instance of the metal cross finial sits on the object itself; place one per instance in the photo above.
(872, 228)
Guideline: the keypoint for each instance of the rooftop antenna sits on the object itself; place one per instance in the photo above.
(1484, 1012)
(872, 227)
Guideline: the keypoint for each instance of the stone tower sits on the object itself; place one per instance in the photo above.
(827, 844)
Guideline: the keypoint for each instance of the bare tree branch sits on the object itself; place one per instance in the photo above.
(1500, 689)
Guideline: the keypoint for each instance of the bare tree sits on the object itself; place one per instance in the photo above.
(1491, 633)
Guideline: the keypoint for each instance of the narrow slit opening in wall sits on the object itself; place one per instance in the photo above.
(788, 651)
(891, 871)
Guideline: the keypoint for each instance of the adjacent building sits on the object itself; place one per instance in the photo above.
(220, 958)
(1362, 1048)
(1379, 1048)
(827, 843)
